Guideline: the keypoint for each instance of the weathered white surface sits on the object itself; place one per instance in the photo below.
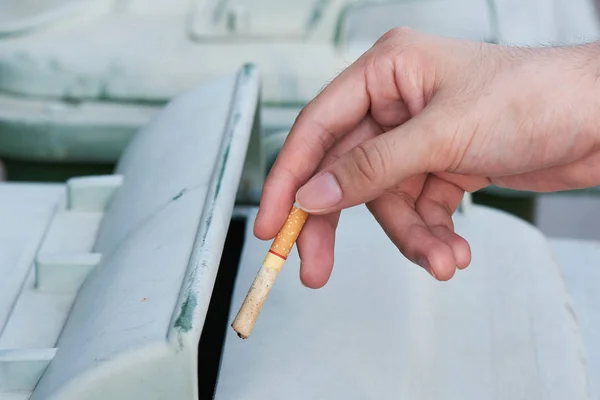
(580, 266)
(25, 212)
(110, 53)
(54, 130)
(70, 232)
(255, 18)
(36, 318)
(462, 19)
(383, 328)
(114, 56)
(134, 328)
(64, 272)
(92, 193)
(17, 16)
(21, 369)
(21, 395)
(132, 331)
(64, 257)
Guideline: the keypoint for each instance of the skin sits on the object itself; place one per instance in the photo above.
(418, 120)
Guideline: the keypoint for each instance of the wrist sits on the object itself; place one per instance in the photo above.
(578, 84)
(591, 64)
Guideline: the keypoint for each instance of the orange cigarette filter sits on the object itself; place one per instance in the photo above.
(267, 274)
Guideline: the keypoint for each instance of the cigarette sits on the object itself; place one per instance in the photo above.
(272, 264)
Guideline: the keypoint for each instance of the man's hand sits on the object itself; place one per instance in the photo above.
(417, 121)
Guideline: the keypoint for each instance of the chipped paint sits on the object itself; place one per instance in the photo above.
(178, 195)
(184, 321)
(235, 120)
(222, 171)
(247, 69)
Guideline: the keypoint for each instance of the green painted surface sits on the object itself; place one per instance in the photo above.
(186, 314)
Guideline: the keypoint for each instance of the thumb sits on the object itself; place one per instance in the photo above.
(370, 168)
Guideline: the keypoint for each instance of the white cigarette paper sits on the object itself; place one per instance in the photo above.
(267, 274)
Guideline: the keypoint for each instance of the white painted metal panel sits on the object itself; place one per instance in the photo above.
(383, 328)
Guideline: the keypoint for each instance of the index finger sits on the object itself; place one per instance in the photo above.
(335, 111)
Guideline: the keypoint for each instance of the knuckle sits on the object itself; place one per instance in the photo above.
(438, 209)
(324, 136)
(412, 61)
(403, 32)
(397, 33)
(369, 161)
(403, 47)
(395, 38)
(280, 174)
(404, 197)
(315, 136)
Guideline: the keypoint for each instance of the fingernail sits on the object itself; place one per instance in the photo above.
(319, 193)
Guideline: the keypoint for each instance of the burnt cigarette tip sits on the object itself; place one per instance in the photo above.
(240, 335)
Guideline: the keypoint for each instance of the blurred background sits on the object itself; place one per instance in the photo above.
(78, 78)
